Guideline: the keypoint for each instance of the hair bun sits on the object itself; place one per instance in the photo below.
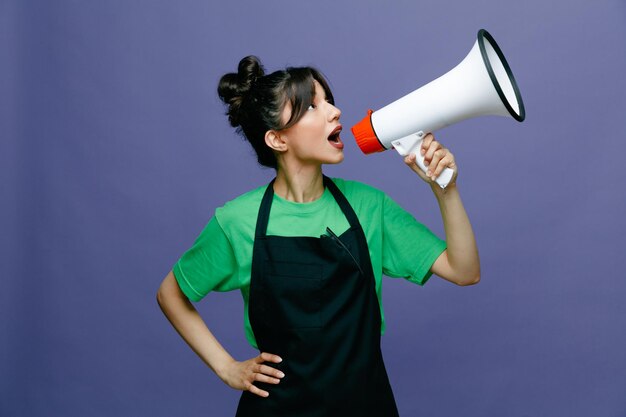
(233, 87)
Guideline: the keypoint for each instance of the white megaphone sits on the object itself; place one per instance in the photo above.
(482, 84)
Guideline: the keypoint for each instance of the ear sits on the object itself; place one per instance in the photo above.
(275, 141)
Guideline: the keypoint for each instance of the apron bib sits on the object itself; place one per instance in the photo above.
(313, 302)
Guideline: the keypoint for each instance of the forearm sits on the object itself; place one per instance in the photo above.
(462, 251)
(188, 323)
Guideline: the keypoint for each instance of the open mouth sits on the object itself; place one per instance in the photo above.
(334, 138)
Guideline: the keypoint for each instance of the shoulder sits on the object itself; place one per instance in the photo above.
(363, 198)
(355, 190)
(243, 208)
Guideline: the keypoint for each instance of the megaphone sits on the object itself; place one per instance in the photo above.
(482, 84)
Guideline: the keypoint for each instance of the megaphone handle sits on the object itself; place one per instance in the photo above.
(412, 144)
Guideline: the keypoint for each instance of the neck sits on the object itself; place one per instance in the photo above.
(301, 186)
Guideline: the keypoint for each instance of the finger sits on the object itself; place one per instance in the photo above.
(268, 370)
(446, 162)
(265, 378)
(432, 148)
(257, 391)
(434, 162)
(411, 162)
(268, 357)
(426, 142)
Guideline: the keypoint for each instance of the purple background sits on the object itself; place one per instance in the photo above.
(115, 151)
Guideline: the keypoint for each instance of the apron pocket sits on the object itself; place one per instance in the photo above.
(293, 294)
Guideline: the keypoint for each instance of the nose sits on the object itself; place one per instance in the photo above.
(334, 113)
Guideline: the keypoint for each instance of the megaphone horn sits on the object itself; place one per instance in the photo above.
(482, 84)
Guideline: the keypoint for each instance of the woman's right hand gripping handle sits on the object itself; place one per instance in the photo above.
(190, 326)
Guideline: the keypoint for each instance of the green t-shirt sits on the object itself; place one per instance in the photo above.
(221, 257)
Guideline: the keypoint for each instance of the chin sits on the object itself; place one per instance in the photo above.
(337, 160)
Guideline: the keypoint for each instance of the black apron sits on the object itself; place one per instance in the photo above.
(313, 302)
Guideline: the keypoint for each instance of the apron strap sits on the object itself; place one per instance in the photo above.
(355, 224)
(346, 208)
(264, 211)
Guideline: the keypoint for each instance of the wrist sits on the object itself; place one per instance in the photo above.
(442, 193)
(221, 368)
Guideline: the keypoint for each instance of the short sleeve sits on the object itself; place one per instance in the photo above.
(209, 265)
(409, 247)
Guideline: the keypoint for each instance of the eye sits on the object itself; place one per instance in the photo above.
(312, 106)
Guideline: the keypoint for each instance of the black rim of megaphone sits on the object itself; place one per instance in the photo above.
(482, 34)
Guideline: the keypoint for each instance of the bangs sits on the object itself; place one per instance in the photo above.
(299, 92)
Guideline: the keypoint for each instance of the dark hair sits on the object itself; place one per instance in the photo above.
(256, 101)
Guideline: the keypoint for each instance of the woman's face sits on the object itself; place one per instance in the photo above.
(314, 139)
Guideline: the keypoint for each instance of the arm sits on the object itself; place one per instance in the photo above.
(459, 263)
(188, 323)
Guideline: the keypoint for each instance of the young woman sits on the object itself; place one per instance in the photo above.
(308, 254)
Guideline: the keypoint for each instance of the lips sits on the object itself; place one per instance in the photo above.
(334, 138)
